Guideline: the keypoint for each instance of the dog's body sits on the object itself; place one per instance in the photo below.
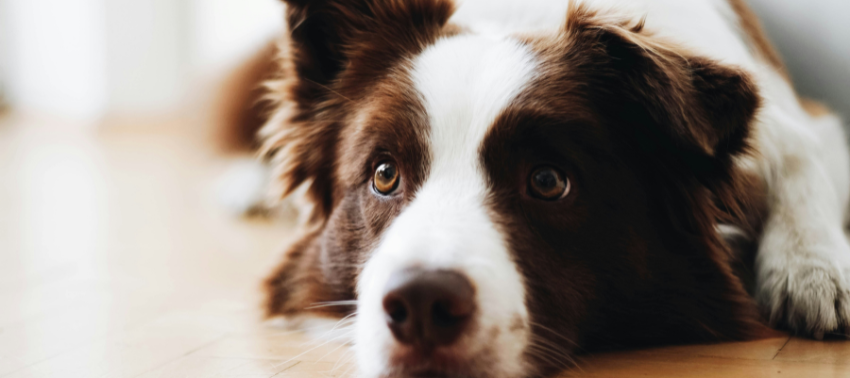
(567, 169)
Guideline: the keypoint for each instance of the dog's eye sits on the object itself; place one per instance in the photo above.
(548, 183)
(386, 178)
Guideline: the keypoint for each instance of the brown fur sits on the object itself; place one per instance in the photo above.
(646, 131)
(329, 62)
(315, 137)
(299, 286)
(814, 108)
(628, 116)
(240, 106)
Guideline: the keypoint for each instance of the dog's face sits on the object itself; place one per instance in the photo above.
(495, 205)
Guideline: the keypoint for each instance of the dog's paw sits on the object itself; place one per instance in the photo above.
(241, 190)
(808, 295)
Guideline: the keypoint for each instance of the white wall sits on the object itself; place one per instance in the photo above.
(56, 56)
(4, 51)
(88, 58)
(146, 55)
(84, 58)
(814, 38)
(226, 31)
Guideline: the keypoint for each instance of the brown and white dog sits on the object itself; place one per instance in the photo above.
(499, 184)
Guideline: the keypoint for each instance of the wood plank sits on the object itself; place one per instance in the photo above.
(822, 352)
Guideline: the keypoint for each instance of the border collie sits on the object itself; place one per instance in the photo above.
(498, 185)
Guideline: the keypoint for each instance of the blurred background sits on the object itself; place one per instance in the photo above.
(93, 58)
(116, 260)
(86, 59)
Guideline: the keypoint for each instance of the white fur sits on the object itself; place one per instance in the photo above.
(465, 82)
(803, 263)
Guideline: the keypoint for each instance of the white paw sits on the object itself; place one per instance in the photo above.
(242, 189)
(807, 292)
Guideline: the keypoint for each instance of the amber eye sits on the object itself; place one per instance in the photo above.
(548, 183)
(386, 178)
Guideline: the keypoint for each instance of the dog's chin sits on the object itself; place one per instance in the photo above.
(406, 362)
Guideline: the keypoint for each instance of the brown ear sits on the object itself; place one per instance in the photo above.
(327, 36)
(685, 117)
(693, 104)
(702, 106)
(333, 52)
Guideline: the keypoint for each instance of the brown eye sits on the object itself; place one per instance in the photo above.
(548, 183)
(386, 178)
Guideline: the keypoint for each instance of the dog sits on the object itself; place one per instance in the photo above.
(496, 186)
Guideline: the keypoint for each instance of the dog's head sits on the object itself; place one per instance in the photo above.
(497, 204)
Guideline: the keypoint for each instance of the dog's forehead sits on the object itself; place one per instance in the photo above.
(465, 82)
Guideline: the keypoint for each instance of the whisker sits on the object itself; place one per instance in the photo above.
(350, 369)
(335, 349)
(553, 332)
(542, 354)
(310, 329)
(331, 304)
(550, 348)
(347, 318)
(346, 358)
(550, 343)
(562, 356)
(552, 359)
(317, 346)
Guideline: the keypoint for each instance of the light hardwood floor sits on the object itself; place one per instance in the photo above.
(116, 262)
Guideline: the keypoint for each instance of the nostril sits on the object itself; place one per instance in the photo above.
(399, 318)
(395, 310)
(443, 316)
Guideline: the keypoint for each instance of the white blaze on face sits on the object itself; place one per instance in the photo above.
(465, 82)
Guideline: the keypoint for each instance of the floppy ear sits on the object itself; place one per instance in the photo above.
(703, 107)
(698, 107)
(333, 51)
(327, 36)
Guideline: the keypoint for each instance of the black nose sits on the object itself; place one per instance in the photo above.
(426, 309)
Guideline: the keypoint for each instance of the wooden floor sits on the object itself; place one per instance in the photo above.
(115, 262)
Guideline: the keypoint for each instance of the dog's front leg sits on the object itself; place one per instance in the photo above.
(803, 261)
